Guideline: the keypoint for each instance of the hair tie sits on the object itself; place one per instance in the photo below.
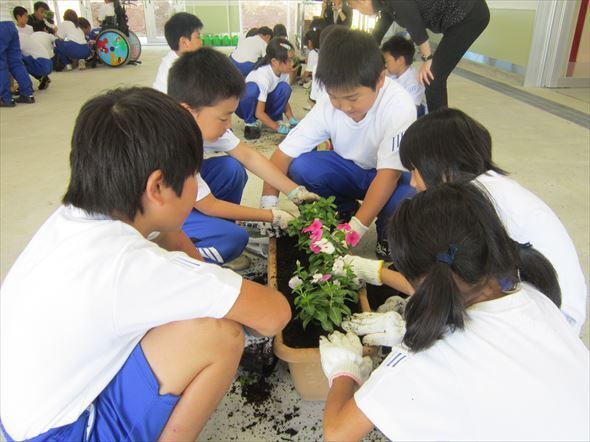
(285, 46)
(449, 256)
(526, 245)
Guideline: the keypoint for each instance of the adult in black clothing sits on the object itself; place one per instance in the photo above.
(336, 12)
(37, 19)
(460, 22)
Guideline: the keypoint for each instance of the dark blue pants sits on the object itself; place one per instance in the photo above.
(219, 240)
(70, 50)
(327, 173)
(276, 102)
(245, 68)
(11, 62)
(38, 67)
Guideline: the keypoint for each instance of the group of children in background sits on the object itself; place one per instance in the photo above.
(485, 347)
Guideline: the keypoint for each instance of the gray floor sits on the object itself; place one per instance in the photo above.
(546, 153)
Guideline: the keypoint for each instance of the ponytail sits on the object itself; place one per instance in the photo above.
(278, 48)
(537, 270)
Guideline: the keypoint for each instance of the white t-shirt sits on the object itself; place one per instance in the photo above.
(37, 45)
(528, 219)
(77, 301)
(26, 30)
(516, 372)
(106, 10)
(312, 61)
(68, 31)
(266, 80)
(161, 81)
(249, 49)
(409, 81)
(372, 143)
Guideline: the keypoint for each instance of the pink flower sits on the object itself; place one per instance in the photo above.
(314, 248)
(352, 238)
(315, 236)
(346, 227)
(325, 277)
(315, 226)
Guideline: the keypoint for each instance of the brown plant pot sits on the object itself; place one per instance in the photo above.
(304, 363)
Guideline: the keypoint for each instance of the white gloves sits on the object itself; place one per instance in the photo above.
(393, 304)
(357, 226)
(342, 355)
(301, 195)
(269, 201)
(368, 270)
(280, 219)
(378, 328)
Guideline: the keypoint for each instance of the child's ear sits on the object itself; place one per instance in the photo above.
(381, 80)
(154, 188)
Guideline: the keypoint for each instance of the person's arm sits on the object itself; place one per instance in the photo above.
(178, 241)
(281, 161)
(379, 192)
(222, 209)
(396, 280)
(263, 116)
(425, 76)
(260, 308)
(343, 420)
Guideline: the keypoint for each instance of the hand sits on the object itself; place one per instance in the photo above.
(281, 219)
(342, 355)
(300, 195)
(378, 328)
(368, 270)
(293, 122)
(358, 227)
(393, 304)
(425, 75)
(283, 129)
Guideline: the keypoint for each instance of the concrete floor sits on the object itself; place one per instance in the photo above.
(546, 154)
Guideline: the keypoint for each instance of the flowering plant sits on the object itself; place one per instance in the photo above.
(323, 288)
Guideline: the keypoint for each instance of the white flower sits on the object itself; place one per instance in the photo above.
(336, 283)
(295, 282)
(316, 278)
(325, 246)
(338, 266)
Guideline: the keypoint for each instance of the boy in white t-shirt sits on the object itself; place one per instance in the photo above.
(106, 335)
(399, 56)
(71, 45)
(365, 116)
(208, 85)
(250, 50)
(183, 34)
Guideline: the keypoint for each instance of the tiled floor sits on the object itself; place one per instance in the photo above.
(547, 154)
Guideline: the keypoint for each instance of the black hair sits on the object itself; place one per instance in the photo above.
(265, 30)
(313, 35)
(19, 11)
(83, 23)
(119, 139)
(252, 32)
(457, 219)
(349, 59)
(277, 47)
(181, 24)
(279, 30)
(43, 5)
(203, 78)
(399, 46)
(447, 145)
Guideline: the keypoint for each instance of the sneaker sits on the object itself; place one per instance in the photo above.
(28, 99)
(251, 132)
(258, 356)
(81, 65)
(258, 246)
(382, 250)
(242, 262)
(44, 82)
(68, 67)
(11, 103)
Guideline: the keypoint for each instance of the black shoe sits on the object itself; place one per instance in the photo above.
(44, 82)
(382, 250)
(27, 99)
(251, 132)
(258, 356)
(11, 103)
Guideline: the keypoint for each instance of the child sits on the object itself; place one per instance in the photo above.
(104, 334)
(399, 56)
(106, 14)
(486, 354)
(72, 45)
(183, 34)
(250, 50)
(208, 85)
(21, 17)
(365, 117)
(37, 20)
(312, 39)
(267, 93)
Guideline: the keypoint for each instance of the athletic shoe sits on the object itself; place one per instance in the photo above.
(81, 65)
(44, 82)
(68, 67)
(251, 132)
(28, 99)
(11, 103)
(382, 250)
(242, 262)
(258, 356)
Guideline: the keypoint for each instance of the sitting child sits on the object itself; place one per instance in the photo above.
(21, 19)
(250, 50)
(365, 116)
(38, 21)
(399, 56)
(208, 85)
(486, 354)
(183, 34)
(267, 93)
(312, 38)
(72, 45)
(106, 335)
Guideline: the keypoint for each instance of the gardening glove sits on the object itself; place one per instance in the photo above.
(300, 195)
(393, 304)
(386, 329)
(281, 219)
(283, 129)
(269, 201)
(357, 226)
(368, 270)
(342, 355)
(293, 121)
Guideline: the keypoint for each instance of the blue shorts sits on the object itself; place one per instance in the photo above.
(128, 409)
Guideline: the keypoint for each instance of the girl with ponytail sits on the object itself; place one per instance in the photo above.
(486, 353)
(267, 93)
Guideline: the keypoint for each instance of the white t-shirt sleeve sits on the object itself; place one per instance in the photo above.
(403, 114)
(225, 143)
(202, 188)
(64, 28)
(179, 288)
(311, 131)
(312, 61)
